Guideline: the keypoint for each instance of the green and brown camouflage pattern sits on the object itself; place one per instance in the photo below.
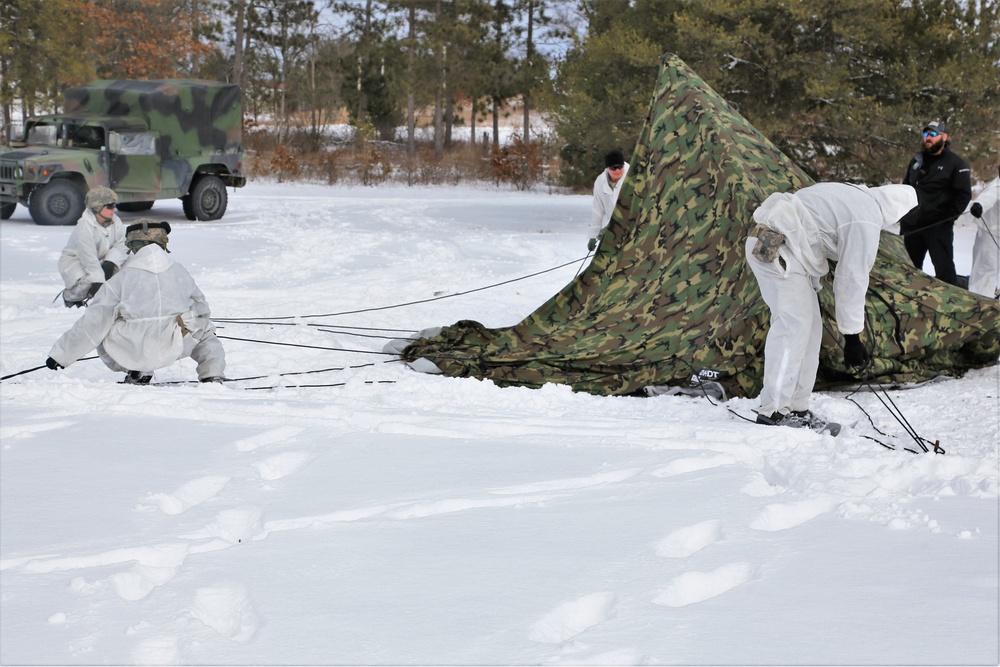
(197, 126)
(668, 291)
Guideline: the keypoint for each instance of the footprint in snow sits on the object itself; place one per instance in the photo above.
(233, 526)
(158, 650)
(30, 430)
(187, 495)
(156, 566)
(621, 656)
(692, 587)
(271, 437)
(226, 608)
(570, 484)
(685, 541)
(781, 516)
(694, 464)
(281, 465)
(571, 618)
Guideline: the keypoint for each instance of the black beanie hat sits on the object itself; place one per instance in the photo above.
(614, 158)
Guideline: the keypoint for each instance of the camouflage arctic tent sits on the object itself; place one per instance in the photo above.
(669, 293)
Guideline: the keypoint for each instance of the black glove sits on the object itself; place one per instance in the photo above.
(93, 289)
(976, 209)
(53, 364)
(591, 244)
(856, 355)
(110, 269)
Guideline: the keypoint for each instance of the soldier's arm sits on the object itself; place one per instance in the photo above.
(961, 185)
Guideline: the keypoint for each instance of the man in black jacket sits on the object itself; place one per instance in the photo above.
(944, 188)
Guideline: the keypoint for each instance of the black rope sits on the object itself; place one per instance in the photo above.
(312, 347)
(582, 263)
(357, 335)
(37, 368)
(865, 381)
(311, 386)
(401, 305)
(30, 370)
(307, 324)
(897, 413)
(271, 375)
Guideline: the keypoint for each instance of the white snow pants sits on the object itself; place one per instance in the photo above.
(791, 351)
(208, 352)
(984, 278)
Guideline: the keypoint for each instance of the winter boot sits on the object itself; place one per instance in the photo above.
(800, 419)
(137, 377)
(217, 379)
(817, 423)
(778, 419)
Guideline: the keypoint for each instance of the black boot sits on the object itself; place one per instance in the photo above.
(137, 377)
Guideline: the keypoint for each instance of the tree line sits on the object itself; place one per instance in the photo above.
(841, 86)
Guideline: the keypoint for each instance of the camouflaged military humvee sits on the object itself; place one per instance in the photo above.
(146, 140)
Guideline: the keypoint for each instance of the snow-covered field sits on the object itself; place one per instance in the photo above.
(401, 518)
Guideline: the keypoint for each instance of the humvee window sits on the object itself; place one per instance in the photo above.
(136, 143)
(86, 136)
(43, 134)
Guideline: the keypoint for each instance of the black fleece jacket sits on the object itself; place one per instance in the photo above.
(944, 188)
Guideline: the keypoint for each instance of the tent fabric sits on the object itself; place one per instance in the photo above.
(668, 291)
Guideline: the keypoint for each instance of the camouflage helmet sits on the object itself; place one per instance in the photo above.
(99, 197)
(146, 231)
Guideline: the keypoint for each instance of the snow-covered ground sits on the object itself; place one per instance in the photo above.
(402, 518)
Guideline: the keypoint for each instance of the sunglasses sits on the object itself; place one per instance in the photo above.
(617, 167)
(111, 206)
(931, 133)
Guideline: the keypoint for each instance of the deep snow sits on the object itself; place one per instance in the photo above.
(403, 518)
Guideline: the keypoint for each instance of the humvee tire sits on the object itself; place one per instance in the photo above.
(58, 202)
(7, 210)
(208, 198)
(188, 207)
(135, 206)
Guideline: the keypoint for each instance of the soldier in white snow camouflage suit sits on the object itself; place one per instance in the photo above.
(95, 250)
(789, 251)
(147, 316)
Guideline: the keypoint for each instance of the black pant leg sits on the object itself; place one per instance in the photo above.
(940, 242)
(916, 248)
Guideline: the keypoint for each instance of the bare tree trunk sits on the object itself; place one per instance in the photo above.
(449, 117)
(441, 58)
(5, 139)
(411, 105)
(472, 124)
(496, 123)
(498, 30)
(283, 130)
(238, 46)
(366, 41)
(529, 52)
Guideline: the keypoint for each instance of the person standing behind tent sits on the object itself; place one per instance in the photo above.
(95, 250)
(147, 316)
(985, 275)
(943, 182)
(788, 252)
(607, 186)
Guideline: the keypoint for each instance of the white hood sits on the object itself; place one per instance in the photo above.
(150, 258)
(894, 201)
